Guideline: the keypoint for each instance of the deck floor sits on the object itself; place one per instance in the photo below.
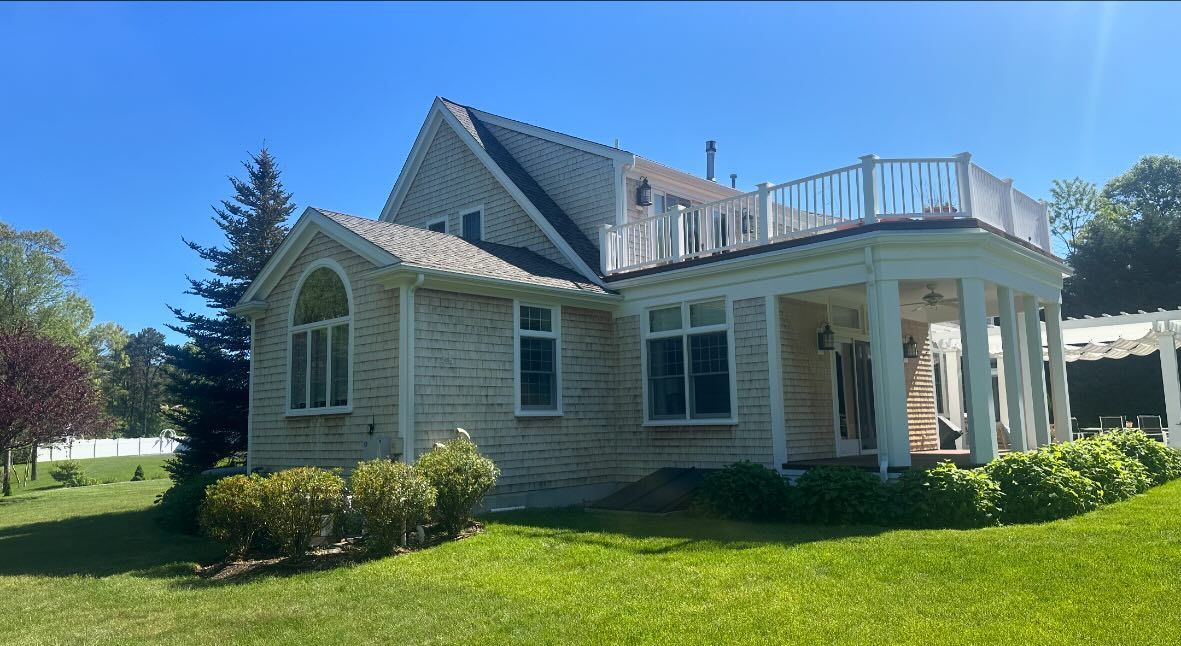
(918, 460)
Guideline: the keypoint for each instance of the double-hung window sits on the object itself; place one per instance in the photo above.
(538, 360)
(319, 356)
(689, 371)
(471, 225)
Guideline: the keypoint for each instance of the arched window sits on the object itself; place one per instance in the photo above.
(320, 324)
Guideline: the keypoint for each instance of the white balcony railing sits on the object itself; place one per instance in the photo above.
(873, 190)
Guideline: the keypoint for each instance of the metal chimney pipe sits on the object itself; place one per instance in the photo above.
(711, 148)
(733, 180)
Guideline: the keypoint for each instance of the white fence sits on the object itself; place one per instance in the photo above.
(107, 448)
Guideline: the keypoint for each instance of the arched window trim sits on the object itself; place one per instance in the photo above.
(293, 329)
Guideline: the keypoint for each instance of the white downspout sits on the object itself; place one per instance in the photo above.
(406, 334)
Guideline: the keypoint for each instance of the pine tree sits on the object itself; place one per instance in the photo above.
(210, 373)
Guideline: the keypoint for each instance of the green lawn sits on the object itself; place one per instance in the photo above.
(105, 470)
(89, 565)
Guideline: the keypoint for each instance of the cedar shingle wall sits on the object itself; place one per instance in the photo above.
(278, 441)
(642, 450)
(464, 376)
(451, 178)
(807, 382)
(920, 390)
(581, 183)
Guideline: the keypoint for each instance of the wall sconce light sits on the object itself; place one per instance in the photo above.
(644, 193)
(910, 349)
(824, 339)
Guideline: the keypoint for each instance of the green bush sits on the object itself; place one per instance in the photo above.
(294, 503)
(1163, 463)
(232, 510)
(180, 505)
(947, 496)
(1119, 476)
(392, 496)
(839, 496)
(138, 476)
(745, 491)
(461, 477)
(1038, 486)
(71, 474)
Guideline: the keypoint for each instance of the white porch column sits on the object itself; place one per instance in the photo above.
(1058, 387)
(1167, 344)
(1036, 414)
(889, 376)
(775, 384)
(977, 371)
(1011, 359)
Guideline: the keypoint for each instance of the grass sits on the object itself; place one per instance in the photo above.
(89, 565)
(105, 470)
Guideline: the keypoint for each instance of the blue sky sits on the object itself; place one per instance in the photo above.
(120, 123)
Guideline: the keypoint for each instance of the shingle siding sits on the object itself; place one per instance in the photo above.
(464, 376)
(807, 382)
(920, 390)
(451, 179)
(278, 441)
(642, 450)
(581, 183)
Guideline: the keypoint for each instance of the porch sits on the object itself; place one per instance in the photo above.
(871, 191)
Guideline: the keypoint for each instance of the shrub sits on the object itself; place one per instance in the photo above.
(839, 496)
(461, 477)
(947, 496)
(232, 510)
(1038, 486)
(71, 474)
(392, 496)
(745, 491)
(1163, 463)
(180, 505)
(294, 503)
(138, 476)
(1119, 476)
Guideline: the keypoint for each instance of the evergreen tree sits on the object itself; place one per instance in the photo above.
(210, 373)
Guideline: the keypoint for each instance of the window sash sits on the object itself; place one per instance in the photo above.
(538, 359)
(683, 388)
(319, 376)
(471, 225)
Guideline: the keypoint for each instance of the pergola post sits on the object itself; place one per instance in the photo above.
(1058, 388)
(982, 446)
(889, 376)
(1011, 358)
(1167, 344)
(952, 384)
(1036, 413)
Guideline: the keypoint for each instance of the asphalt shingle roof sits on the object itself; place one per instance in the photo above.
(446, 252)
(549, 209)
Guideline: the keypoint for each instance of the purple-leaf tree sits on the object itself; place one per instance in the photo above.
(46, 395)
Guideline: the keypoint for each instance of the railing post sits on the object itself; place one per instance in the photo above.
(1044, 227)
(869, 188)
(675, 226)
(1010, 208)
(604, 234)
(963, 169)
(765, 218)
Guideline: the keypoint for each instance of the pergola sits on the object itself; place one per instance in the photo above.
(1102, 337)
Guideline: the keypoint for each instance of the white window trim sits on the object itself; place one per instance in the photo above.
(293, 329)
(472, 209)
(443, 219)
(556, 335)
(684, 332)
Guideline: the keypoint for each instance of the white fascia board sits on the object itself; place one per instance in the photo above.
(422, 143)
(667, 177)
(453, 281)
(311, 222)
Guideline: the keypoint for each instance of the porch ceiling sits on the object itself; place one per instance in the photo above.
(911, 293)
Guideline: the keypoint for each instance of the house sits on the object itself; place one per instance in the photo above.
(590, 316)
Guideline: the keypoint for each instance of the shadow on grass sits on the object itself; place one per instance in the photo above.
(660, 534)
(101, 545)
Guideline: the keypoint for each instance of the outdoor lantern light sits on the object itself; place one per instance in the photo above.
(644, 193)
(910, 349)
(824, 341)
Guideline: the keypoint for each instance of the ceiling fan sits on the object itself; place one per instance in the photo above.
(932, 300)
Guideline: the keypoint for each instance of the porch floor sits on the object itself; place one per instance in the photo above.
(869, 462)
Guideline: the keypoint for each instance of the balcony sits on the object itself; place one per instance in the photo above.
(933, 188)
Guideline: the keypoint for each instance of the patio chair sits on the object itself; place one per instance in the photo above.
(1152, 427)
(1076, 432)
(1113, 423)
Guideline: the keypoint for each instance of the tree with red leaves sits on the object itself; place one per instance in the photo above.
(46, 394)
